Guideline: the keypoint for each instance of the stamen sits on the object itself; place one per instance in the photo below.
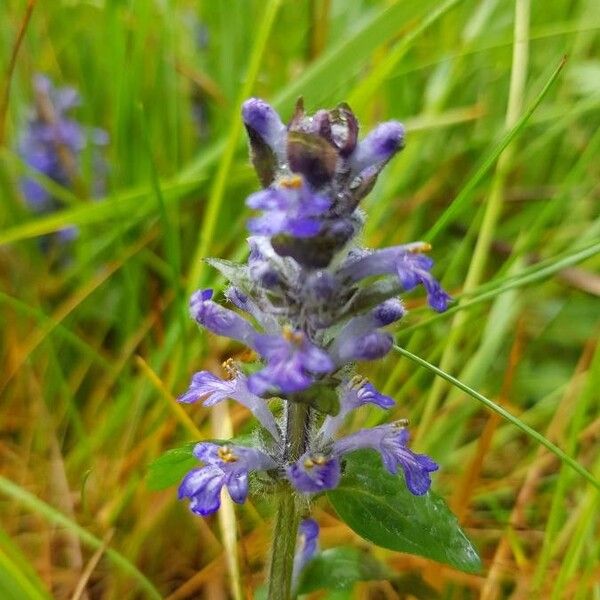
(320, 460)
(293, 182)
(295, 337)
(226, 454)
(422, 247)
(357, 382)
(402, 423)
(231, 369)
(308, 463)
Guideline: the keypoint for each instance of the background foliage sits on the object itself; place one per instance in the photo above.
(95, 348)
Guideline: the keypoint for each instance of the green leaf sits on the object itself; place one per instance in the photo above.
(413, 585)
(170, 468)
(320, 396)
(561, 454)
(340, 569)
(379, 507)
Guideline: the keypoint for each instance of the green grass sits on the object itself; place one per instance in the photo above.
(500, 173)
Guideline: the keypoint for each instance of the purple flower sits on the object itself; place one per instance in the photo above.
(370, 346)
(306, 548)
(412, 270)
(406, 263)
(360, 339)
(378, 147)
(292, 363)
(212, 389)
(391, 442)
(225, 466)
(313, 473)
(220, 320)
(290, 207)
(53, 143)
(354, 393)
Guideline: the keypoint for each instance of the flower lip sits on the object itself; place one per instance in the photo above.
(313, 473)
(366, 393)
(391, 441)
(213, 390)
(289, 207)
(292, 363)
(411, 267)
(354, 393)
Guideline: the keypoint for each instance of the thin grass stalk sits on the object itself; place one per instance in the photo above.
(493, 207)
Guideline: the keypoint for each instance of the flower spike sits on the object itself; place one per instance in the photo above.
(310, 302)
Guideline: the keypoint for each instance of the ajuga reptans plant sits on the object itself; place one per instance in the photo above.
(310, 302)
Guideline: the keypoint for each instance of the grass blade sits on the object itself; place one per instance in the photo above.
(33, 503)
(488, 162)
(532, 433)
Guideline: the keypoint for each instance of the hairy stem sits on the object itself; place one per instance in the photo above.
(288, 514)
(283, 546)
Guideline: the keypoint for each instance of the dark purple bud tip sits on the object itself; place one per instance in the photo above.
(199, 297)
(388, 138)
(262, 117)
(379, 146)
(439, 300)
(388, 312)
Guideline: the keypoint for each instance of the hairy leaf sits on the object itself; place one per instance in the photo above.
(340, 568)
(379, 507)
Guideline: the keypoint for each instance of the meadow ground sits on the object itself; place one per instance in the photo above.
(500, 174)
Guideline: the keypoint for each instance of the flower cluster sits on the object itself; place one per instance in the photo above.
(53, 144)
(310, 302)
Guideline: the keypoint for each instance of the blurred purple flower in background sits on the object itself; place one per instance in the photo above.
(54, 144)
